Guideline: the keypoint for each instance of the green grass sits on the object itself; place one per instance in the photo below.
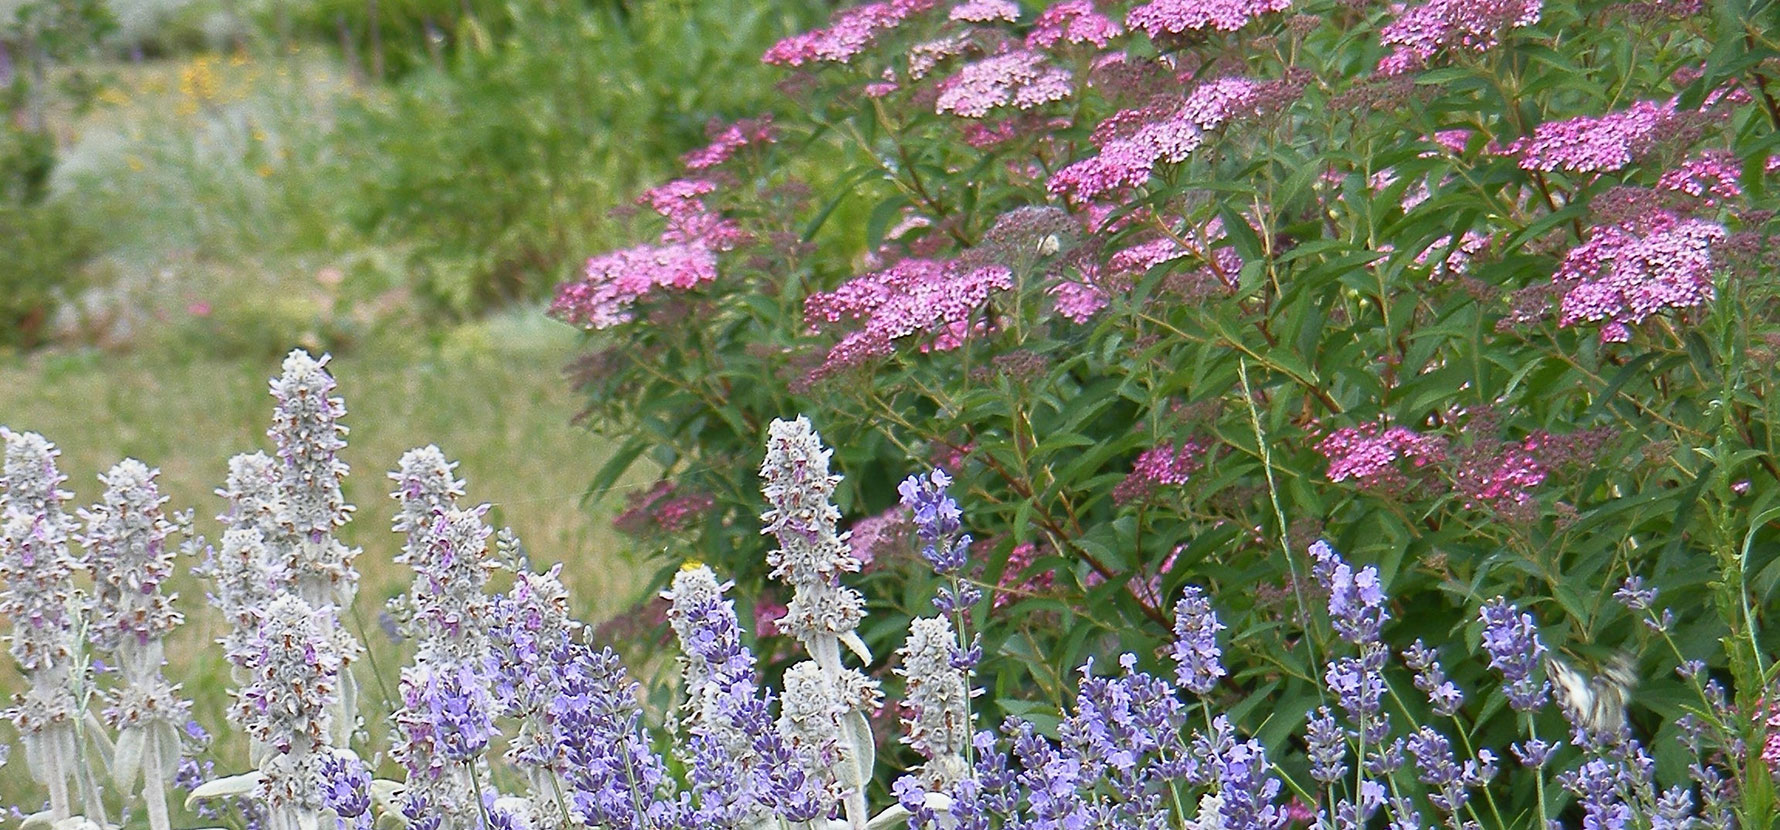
(491, 396)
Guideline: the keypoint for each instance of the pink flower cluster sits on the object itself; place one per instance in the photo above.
(1503, 478)
(1587, 144)
(914, 296)
(1623, 274)
(1420, 33)
(1457, 257)
(985, 11)
(612, 283)
(1019, 78)
(1173, 17)
(1078, 302)
(1072, 21)
(1164, 465)
(1501, 475)
(1013, 583)
(661, 509)
(849, 32)
(1133, 142)
(685, 254)
(1370, 454)
(1710, 177)
(885, 534)
(727, 139)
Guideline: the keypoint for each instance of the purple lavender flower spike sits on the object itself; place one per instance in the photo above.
(1196, 652)
(1356, 598)
(1512, 641)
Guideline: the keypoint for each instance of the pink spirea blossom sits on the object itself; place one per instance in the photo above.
(1453, 141)
(1164, 465)
(912, 297)
(1173, 17)
(929, 54)
(882, 535)
(1078, 302)
(1369, 454)
(1770, 746)
(848, 33)
(613, 282)
(985, 11)
(1014, 585)
(727, 139)
(1502, 477)
(1710, 177)
(1457, 259)
(1132, 142)
(1621, 275)
(1588, 144)
(1422, 32)
(1021, 78)
(661, 509)
(1072, 21)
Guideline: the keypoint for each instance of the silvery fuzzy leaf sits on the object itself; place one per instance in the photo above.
(167, 741)
(37, 821)
(223, 787)
(391, 820)
(851, 640)
(865, 748)
(384, 795)
(897, 815)
(81, 823)
(126, 760)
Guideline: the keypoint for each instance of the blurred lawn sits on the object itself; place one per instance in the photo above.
(490, 395)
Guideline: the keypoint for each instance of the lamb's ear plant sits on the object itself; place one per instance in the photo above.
(46, 615)
(308, 436)
(130, 559)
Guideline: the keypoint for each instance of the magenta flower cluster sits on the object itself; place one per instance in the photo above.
(1173, 17)
(1371, 454)
(848, 33)
(1588, 144)
(1022, 79)
(1421, 33)
(1622, 275)
(1133, 142)
(935, 298)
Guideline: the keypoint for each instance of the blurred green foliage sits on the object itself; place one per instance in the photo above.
(500, 166)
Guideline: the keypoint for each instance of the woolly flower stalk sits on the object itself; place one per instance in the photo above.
(425, 487)
(307, 431)
(39, 600)
(128, 556)
(706, 625)
(825, 703)
(294, 668)
(252, 491)
(243, 580)
(448, 599)
(937, 702)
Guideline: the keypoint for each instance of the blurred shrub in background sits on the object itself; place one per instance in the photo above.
(499, 167)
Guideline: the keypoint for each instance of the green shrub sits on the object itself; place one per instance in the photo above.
(1495, 314)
